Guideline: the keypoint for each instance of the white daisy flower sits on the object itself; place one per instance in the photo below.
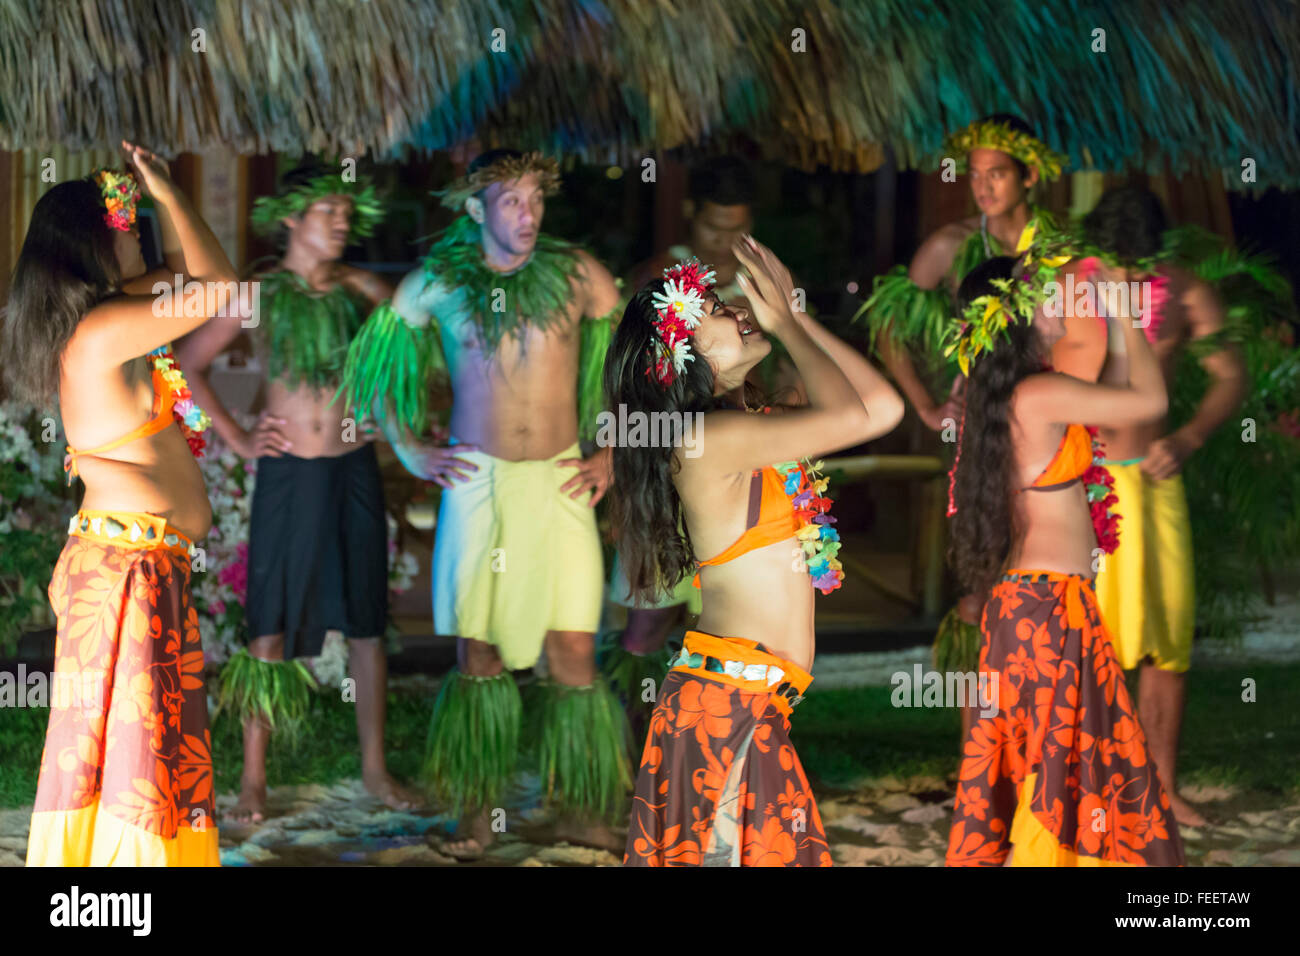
(682, 355)
(686, 304)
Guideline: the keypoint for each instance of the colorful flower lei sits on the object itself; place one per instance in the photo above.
(820, 542)
(990, 135)
(679, 309)
(121, 195)
(367, 211)
(191, 419)
(1100, 486)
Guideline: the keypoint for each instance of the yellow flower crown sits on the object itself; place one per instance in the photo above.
(503, 170)
(988, 316)
(987, 134)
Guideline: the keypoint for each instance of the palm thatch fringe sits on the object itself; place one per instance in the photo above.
(1187, 86)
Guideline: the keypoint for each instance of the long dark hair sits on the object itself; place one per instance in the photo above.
(67, 266)
(984, 527)
(645, 511)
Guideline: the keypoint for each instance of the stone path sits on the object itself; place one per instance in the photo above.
(888, 821)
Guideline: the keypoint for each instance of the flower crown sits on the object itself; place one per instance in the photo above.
(121, 195)
(678, 310)
(988, 316)
(503, 170)
(367, 212)
(987, 134)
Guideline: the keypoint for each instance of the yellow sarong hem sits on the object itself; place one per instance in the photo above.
(1146, 589)
(89, 837)
(1035, 845)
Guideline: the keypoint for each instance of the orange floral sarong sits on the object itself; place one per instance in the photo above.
(720, 783)
(1061, 770)
(126, 774)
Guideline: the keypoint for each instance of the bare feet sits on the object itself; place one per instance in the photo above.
(1185, 813)
(251, 807)
(383, 787)
(585, 833)
(475, 837)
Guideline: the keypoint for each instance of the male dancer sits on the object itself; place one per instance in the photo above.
(511, 315)
(1145, 589)
(318, 556)
(910, 307)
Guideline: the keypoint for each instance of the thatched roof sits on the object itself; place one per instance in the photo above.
(1191, 85)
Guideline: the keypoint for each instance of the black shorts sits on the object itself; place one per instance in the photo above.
(318, 550)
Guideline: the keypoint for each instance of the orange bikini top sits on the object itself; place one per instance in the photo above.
(1072, 459)
(771, 518)
(163, 400)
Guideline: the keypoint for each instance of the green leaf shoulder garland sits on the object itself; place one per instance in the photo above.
(307, 333)
(392, 362)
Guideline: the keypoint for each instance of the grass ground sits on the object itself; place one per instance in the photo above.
(842, 736)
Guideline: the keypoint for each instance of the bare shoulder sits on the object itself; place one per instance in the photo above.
(364, 282)
(935, 257)
(600, 291)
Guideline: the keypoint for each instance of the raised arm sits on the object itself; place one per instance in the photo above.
(838, 414)
(128, 326)
(1063, 399)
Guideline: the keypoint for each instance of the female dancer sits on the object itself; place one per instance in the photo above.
(1060, 771)
(719, 783)
(126, 775)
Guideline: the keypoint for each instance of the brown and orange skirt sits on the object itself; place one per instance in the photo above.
(719, 782)
(1061, 770)
(126, 774)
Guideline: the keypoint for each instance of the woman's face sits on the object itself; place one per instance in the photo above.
(126, 249)
(730, 341)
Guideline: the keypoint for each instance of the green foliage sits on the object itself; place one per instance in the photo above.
(1243, 484)
(278, 692)
(35, 504)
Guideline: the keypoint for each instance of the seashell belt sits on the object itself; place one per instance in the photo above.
(129, 529)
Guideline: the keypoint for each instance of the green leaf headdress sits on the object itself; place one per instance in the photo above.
(988, 316)
(503, 170)
(367, 212)
(987, 134)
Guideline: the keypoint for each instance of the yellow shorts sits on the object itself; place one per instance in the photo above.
(1146, 588)
(514, 557)
(620, 592)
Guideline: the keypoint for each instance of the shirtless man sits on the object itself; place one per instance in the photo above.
(318, 557)
(517, 561)
(1145, 588)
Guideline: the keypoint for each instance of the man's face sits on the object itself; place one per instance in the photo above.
(322, 229)
(714, 230)
(995, 181)
(512, 213)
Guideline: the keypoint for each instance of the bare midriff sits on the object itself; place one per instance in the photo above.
(315, 424)
(520, 402)
(156, 474)
(765, 595)
(1059, 535)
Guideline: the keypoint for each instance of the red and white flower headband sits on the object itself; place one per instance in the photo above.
(679, 309)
